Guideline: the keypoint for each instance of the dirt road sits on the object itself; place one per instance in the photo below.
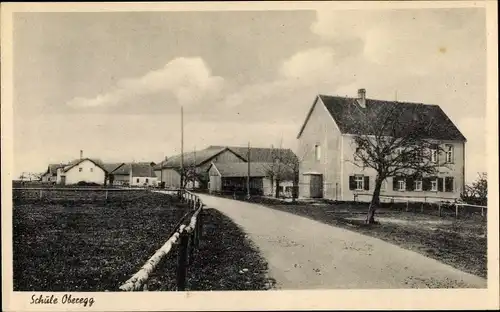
(306, 254)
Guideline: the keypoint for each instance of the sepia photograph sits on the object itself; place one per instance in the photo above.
(247, 150)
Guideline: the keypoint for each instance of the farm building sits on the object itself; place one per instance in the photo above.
(232, 178)
(134, 174)
(82, 170)
(196, 164)
(50, 176)
(326, 138)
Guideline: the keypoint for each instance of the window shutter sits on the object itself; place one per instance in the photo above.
(410, 184)
(367, 183)
(352, 183)
(440, 184)
(426, 184)
(395, 183)
(449, 184)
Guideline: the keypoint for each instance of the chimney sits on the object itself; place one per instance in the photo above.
(362, 97)
(81, 154)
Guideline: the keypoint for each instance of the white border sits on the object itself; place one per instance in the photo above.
(275, 300)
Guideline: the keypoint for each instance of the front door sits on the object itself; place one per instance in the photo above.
(63, 180)
(316, 186)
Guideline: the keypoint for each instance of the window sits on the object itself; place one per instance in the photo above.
(91, 169)
(448, 184)
(317, 152)
(434, 185)
(401, 185)
(434, 154)
(80, 169)
(137, 180)
(418, 185)
(449, 153)
(359, 182)
(147, 180)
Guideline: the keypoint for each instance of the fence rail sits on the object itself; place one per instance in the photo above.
(186, 237)
(442, 201)
(42, 192)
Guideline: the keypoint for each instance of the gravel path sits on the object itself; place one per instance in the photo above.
(306, 254)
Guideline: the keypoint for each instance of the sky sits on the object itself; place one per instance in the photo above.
(112, 83)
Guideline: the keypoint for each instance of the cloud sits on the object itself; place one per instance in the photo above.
(415, 41)
(186, 79)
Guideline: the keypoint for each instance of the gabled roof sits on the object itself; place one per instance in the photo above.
(124, 169)
(429, 120)
(110, 167)
(240, 169)
(142, 170)
(52, 168)
(76, 162)
(261, 154)
(257, 169)
(196, 158)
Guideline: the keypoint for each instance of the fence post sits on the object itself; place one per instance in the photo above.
(482, 211)
(191, 246)
(106, 194)
(200, 229)
(422, 208)
(407, 203)
(182, 261)
(456, 211)
(41, 194)
(439, 209)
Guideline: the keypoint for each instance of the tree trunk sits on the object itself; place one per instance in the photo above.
(375, 203)
(295, 188)
(277, 188)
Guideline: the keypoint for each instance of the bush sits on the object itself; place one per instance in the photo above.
(84, 183)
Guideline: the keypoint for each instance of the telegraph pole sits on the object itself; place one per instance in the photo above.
(248, 171)
(182, 147)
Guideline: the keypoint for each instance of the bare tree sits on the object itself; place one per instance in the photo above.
(395, 147)
(477, 192)
(285, 166)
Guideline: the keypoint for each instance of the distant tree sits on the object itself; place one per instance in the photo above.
(477, 192)
(191, 174)
(393, 148)
(285, 167)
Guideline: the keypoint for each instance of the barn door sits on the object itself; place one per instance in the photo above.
(316, 186)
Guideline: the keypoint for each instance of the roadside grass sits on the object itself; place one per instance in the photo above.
(96, 245)
(461, 243)
(226, 260)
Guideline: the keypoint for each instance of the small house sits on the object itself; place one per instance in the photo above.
(82, 170)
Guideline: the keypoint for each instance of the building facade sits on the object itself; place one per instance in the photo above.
(327, 147)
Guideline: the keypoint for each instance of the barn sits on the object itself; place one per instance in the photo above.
(230, 178)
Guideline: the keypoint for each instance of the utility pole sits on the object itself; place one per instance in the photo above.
(248, 171)
(193, 174)
(182, 147)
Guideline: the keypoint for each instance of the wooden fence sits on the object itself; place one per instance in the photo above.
(64, 192)
(422, 200)
(187, 239)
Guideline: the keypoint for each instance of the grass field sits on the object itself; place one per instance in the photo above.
(461, 243)
(96, 245)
